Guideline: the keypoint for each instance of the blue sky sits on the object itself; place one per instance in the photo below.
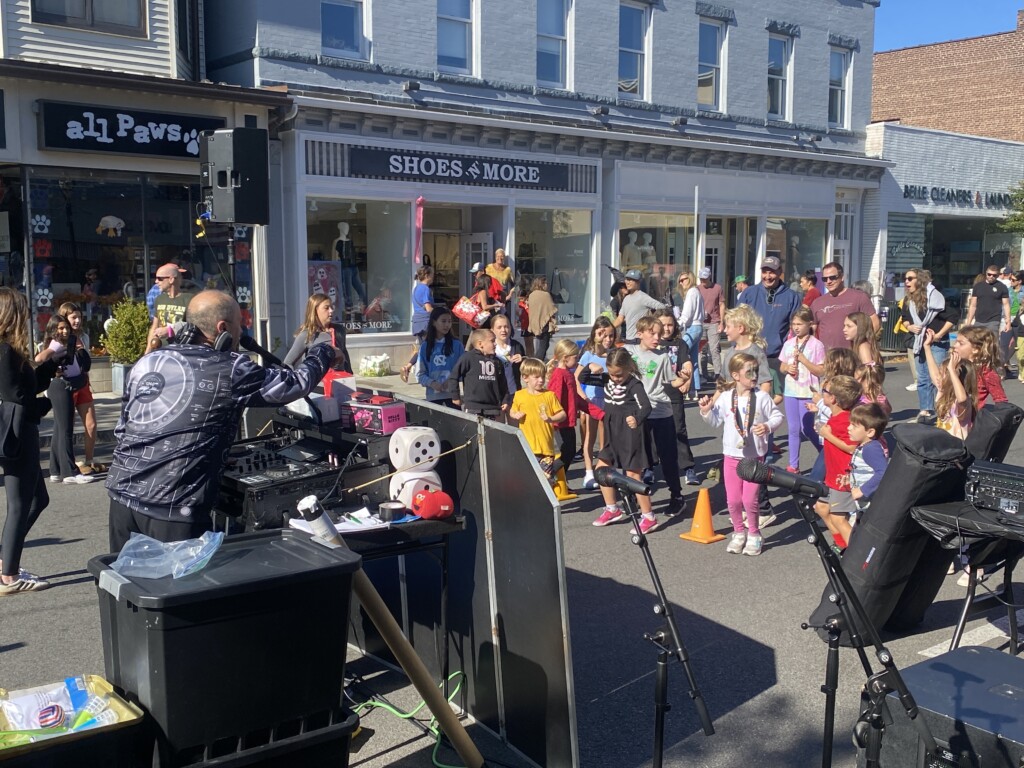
(902, 23)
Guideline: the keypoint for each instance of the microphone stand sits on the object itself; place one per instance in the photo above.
(667, 640)
(867, 732)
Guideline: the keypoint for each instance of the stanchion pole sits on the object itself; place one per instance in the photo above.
(413, 666)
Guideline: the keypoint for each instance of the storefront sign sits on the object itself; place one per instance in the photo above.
(952, 196)
(125, 131)
(438, 168)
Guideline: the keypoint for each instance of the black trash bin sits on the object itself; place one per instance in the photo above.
(247, 654)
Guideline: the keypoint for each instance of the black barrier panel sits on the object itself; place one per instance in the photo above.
(529, 587)
(517, 681)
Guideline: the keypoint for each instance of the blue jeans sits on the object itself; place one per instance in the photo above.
(693, 335)
(925, 388)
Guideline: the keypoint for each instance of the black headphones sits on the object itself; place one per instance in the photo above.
(223, 342)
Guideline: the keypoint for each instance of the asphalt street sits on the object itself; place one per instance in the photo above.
(739, 617)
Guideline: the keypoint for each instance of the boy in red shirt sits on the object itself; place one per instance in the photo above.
(841, 394)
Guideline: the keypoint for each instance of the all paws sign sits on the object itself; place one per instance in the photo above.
(125, 131)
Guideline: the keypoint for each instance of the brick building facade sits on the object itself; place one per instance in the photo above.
(972, 86)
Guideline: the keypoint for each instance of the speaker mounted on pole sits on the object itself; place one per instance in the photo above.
(234, 175)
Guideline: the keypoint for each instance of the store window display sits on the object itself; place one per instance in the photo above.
(360, 256)
(799, 244)
(657, 244)
(95, 237)
(556, 245)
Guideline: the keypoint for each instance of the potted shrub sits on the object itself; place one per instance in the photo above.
(125, 339)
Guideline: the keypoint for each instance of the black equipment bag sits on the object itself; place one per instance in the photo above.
(994, 429)
(926, 466)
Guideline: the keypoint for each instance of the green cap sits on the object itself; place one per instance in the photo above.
(740, 279)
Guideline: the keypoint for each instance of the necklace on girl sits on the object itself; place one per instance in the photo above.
(739, 420)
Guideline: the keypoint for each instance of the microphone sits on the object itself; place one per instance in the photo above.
(754, 471)
(183, 333)
(249, 344)
(609, 478)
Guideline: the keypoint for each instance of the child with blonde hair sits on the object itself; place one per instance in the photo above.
(561, 379)
(482, 376)
(593, 362)
(536, 410)
(747, 416)
(870, 378)
(956, 383)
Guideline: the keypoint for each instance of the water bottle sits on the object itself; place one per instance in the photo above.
(314, 514)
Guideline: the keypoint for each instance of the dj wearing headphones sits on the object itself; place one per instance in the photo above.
(180, 413)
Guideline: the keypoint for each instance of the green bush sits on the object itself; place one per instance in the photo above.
(125, 340)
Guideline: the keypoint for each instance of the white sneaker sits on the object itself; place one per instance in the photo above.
(736, 542)
(753, 546)
(54, 478)
(911, 387)
(78, 479)
(763, 521)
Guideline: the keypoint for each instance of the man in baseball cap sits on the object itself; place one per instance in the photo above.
(635, 304)
(774, 302)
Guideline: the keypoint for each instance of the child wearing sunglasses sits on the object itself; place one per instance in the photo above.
(747, 416)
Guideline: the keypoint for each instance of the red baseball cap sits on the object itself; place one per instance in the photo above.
(433, 505)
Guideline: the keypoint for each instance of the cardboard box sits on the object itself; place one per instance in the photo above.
(377, 419)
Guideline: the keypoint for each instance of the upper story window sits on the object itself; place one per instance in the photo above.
(838, 78)
(119, 17)
(341, 28)
(709, 64)
(779, 49)
(633, 21)
(551, 41)
(455, 35)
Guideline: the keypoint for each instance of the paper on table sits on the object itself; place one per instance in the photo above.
(353, 522)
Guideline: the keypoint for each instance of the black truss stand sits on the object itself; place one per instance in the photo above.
(667, 641)
(868, 732)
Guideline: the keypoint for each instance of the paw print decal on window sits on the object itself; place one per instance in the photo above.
(241, 232)
(41, 224)
(244, 295)
(44, 298)
(191, 139)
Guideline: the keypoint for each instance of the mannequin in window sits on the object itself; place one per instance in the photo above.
(345, 251)
(647, 252)
(631, 256)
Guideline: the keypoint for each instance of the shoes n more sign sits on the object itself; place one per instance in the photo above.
(87, 128)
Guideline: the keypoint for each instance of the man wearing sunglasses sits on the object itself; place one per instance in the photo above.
(836, 304)
(989, 304)
(170, 304)
(774, 302)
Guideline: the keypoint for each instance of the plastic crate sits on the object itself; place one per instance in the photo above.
(124, 743)
(254, 640)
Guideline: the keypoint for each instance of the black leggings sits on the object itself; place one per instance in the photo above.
(540, 345)
(568, 435)
(26, 498)
(62, 450)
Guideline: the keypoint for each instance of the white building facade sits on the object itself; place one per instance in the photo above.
(665, 137)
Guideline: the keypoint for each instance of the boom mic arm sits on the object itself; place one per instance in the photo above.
(754, 471)
(249, 344)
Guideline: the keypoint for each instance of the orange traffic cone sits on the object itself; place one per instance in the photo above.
(702, 531)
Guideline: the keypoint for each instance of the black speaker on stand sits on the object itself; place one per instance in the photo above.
(234, 180)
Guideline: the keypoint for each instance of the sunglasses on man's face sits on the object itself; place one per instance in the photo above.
(991, 274)
(830, 278)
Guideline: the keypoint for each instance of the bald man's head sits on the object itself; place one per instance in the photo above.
(213, 313)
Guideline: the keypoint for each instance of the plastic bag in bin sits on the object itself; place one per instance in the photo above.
(145, 557)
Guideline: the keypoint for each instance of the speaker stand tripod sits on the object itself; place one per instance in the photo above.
(870, 725)
(667, 641)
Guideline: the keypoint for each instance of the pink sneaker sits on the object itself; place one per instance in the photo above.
(793, 470)
(647, 525)
(609, 516)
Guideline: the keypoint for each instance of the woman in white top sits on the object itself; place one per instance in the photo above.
(688, 307)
